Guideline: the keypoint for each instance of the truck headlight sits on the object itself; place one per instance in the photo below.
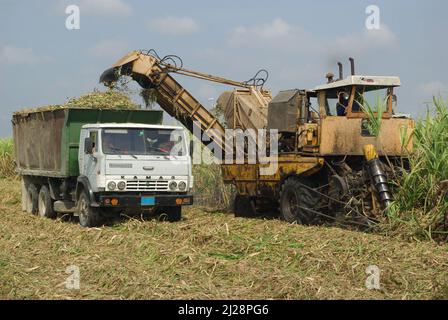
(182, 186)
(111, 185)
(121, 185)
(173, 185)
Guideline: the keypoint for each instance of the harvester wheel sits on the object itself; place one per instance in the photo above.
(244, 206)
(88, 216)
(45, 204)
(298, 203)
(31, 199)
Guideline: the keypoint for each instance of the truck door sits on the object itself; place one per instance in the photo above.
(88, 162)
(91, 161)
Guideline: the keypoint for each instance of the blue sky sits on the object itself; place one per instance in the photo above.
(41, 62)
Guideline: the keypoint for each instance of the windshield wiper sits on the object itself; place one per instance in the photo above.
(118, 151)
(114, 149)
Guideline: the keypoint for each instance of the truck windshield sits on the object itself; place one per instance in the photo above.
(142, 141)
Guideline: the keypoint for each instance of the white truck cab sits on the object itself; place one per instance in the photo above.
(134, 167)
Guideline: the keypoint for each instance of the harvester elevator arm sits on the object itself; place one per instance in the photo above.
(152, 73)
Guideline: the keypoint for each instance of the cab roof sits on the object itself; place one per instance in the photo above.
(375, 82)
(129, 125)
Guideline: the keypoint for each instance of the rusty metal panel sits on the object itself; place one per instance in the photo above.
(344, 136)
(249, 181)
(37, 138)
(284, 110)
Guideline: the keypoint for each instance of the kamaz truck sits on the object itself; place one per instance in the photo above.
(95, 163)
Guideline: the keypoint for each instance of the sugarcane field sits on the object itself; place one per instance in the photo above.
(226, 157)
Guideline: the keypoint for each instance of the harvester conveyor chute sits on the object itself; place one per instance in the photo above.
(151, 72)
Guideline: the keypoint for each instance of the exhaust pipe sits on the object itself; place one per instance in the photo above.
(352, 65)
(341, 73)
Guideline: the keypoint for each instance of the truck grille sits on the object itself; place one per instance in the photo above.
(147, 185)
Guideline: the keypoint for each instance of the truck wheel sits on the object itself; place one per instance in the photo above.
(172, 214)
(31, 199)
(45, 204)
(298, 203)
(243, 206)
(88, 216)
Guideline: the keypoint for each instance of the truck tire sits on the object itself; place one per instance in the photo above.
(172, 214)
(298, 203)
(45, 204)
(31, 199)
(244, 206)
(88, 216)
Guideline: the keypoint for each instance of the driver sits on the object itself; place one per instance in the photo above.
(108, 144)
(165, 145)
(342, 104)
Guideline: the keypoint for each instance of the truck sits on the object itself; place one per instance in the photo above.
(96, 163)
(336, 146)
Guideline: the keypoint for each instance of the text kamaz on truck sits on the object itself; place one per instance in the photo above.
(96, 163)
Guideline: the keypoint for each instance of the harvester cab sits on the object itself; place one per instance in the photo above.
(360, 110)
(357, 96)
(341, 116)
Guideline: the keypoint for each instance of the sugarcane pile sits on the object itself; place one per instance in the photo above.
(110, 99)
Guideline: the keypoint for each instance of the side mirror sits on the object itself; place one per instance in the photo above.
(88, 146)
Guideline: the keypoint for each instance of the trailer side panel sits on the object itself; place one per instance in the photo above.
(37, 142)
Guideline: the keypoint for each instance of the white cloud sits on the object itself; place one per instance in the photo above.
(433, 88)
(369, 40)
(207, 93)
(174, 26)
(283, 37)
(109, 48)
(269, 31)
(97, 7)
(15, 55)
(106, 7)
(277, 34)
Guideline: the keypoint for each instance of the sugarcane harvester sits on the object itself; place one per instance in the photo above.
(332, 144)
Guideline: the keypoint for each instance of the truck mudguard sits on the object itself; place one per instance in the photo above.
(84, 184)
